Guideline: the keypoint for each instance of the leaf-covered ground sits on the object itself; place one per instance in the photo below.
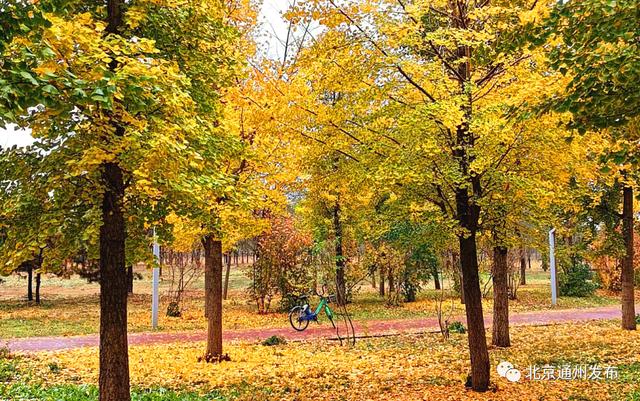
(401, 368)
(71, 307)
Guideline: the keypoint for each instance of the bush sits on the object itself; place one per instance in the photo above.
(576, 280)
(457, 327)
(274, 340)
(281, 268)
(173, 310)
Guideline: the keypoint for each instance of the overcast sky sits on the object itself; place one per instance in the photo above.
(272, 25)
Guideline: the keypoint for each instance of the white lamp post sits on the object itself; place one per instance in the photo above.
(156, 282)
(552, 265)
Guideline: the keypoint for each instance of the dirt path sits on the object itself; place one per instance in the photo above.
(324, 330)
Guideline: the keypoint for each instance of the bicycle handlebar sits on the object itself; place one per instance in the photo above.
(328, 298)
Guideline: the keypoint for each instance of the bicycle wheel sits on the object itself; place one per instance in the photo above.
(295, 316)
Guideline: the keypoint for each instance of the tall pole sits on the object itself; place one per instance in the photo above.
(156, 282)
(552, 265)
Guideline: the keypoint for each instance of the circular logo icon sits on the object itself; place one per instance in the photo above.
(513, 375)
(504, 367)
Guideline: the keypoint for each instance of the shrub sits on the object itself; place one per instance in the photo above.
(576, 280)
(274, 340)
(281, 268)
(173, 310)
(54, 367)
(457, 327)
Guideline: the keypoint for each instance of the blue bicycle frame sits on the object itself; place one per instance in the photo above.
(309, 315)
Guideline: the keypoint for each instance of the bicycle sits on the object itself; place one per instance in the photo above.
(301, 315)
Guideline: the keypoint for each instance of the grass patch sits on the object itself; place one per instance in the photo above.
(70, 392)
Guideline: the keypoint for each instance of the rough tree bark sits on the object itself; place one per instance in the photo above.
(468, 215)
(627, 274)
(114, 357)
(114, 354)
(455, 260)
(38, 280)
(381, 290)
(130, 279)
(480, 370)
(213, 295)
(500, 334)
(29, 281)
(373, 279)
(341, 287)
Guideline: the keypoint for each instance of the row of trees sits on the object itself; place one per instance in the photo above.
(138, 122)
(414, 128)
(445, 123)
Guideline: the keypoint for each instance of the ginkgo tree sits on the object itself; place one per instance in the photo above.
(432, 98)
(597, 48)
(111, 111)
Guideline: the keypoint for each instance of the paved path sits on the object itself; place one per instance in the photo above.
(324, 330)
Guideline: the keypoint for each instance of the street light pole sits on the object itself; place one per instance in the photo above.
(156, 282)
(552, 265)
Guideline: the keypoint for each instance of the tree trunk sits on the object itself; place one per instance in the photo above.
(114, 353)
(340, 280)
(468, 215)
(114, 358)
(523, 268)
(373, 279)
(480, 370)
(500, 336)
(627, 274)
(130, 279)
(207, 281)
(38, 288)
(436, 278)
(30, 281)
(226, 277)
(459, 273)
(381, 280)
(213, 295)
(390, 279)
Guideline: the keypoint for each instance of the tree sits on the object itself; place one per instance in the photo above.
(113, 120)
(432, 101)
(282, 267)
(598, 50)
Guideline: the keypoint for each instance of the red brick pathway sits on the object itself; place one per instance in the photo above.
(313, 332)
